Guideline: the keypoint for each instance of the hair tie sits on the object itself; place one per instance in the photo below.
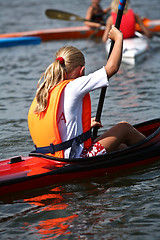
(61, 60)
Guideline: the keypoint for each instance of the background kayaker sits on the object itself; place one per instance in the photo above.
(61, 110)
(96, 13)
(128, 22)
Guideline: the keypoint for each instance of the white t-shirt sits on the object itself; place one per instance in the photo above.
(70, 107)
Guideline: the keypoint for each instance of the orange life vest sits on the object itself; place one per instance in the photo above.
(127, 26)
(43, 127)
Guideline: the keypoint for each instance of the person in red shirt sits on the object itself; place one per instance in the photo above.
(128, 22)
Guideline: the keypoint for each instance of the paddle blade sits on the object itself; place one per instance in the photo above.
(56, 14)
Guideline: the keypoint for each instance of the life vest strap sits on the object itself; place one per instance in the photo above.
(64, 145)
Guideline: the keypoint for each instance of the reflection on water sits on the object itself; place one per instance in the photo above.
(101, 207)
(53, 225)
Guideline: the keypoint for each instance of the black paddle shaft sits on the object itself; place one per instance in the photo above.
(103, 90)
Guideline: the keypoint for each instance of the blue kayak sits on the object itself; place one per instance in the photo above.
(16, 41)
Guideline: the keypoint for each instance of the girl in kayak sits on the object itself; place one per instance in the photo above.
(96, 14)
(59, 118)
(128, 22)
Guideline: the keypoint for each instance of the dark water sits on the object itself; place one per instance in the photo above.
(125, 207)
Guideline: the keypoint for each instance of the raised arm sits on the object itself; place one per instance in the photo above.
(114, 60)
(107, 29)
(106, 10)
(145, 30)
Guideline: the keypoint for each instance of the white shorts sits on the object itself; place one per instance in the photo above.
(94, 150)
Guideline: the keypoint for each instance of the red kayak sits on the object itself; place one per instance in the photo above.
(36, 171)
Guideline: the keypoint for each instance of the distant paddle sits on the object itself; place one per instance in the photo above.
(61, 15)
(103, 90)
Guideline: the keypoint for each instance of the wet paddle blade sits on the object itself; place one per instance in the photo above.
(56, 14)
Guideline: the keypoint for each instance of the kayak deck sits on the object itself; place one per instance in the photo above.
(26, 166)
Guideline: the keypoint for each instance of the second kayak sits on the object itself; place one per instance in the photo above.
(134, 49)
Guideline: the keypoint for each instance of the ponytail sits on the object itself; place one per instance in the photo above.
(67, 59)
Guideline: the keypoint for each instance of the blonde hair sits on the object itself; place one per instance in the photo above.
(114, 6)
(56, 73)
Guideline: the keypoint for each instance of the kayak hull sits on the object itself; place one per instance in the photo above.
(78, 32)
(134, 50)
(36, 171)
(153, 25)
(52, 178)
(16, 41)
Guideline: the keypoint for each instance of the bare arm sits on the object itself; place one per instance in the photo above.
(89, 15)
(107, 29)
(114, 60)
(106, 10)
(145, 30)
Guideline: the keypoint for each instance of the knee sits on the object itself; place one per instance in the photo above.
(125, 125)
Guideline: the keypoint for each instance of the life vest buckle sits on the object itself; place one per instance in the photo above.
(52, 150)
(45, 150)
